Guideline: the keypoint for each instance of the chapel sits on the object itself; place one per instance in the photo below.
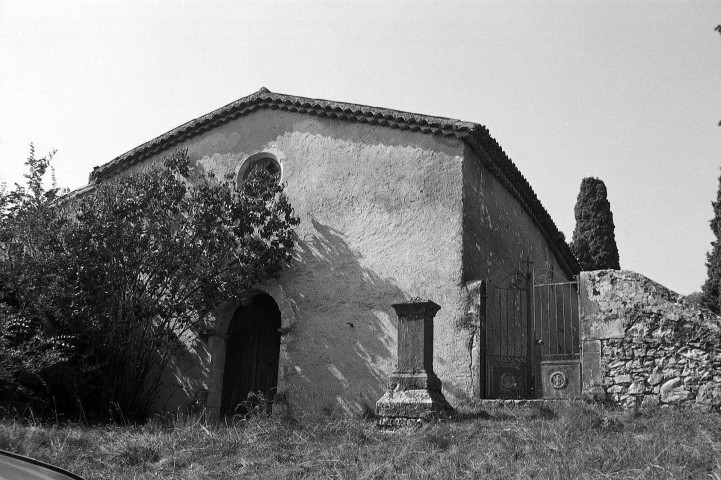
(393, 207)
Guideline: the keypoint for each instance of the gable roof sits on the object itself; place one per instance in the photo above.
(476, 136)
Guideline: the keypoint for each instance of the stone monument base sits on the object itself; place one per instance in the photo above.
(409, 407)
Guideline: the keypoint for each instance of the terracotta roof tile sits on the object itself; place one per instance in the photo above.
(475, 135)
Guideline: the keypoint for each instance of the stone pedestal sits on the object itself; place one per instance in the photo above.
(414, 390)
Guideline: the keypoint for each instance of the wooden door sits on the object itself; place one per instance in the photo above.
(251, 359)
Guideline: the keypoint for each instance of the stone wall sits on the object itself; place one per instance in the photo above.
(643, 345)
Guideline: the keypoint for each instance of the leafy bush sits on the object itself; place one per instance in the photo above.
(29, 346)
(26, 355)
(132, 269)
(694, 297)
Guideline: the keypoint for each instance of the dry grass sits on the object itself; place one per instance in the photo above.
(561, 441)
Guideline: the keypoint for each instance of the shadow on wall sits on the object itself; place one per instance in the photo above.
(186, 376)
(344, 343)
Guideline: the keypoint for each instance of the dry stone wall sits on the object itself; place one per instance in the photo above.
(644, 345)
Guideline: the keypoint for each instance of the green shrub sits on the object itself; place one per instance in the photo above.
(125, 272)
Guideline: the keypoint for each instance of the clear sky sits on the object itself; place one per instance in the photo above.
(626, 91)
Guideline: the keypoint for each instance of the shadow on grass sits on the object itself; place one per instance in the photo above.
(530, 411)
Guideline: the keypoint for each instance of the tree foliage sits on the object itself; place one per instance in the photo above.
(28, 347)
(133, 269)
(694, 297)
(711, 290)
(594, 241)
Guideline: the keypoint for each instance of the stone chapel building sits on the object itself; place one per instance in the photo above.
(393, 206)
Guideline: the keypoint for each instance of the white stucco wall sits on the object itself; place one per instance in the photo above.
(381, 222)
(499, 235)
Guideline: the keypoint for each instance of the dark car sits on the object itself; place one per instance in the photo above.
(17, 467)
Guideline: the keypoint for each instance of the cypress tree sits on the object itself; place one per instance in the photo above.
(710, 297)
(594, 242)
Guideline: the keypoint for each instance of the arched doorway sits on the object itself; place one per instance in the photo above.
(251, 359)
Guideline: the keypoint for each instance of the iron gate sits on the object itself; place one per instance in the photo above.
(556, 324)
(506, 323)
(530, 336)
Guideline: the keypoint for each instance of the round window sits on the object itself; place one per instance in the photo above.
(269, 164)
(260, 162)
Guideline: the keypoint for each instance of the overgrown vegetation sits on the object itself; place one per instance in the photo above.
(560, 440)
(694, 297)
(99, 292)
(594, 240)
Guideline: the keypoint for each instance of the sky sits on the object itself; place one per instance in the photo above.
(626, 91)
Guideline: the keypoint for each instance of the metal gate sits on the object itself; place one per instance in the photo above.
(506, 326)
(530, 336)
(556, 325)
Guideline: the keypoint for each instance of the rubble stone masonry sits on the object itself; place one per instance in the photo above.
(643, 345)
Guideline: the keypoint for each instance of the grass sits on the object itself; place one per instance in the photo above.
(559, 441)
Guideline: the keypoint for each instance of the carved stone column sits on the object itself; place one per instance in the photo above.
(414, 390)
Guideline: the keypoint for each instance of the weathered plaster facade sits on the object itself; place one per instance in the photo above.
(386, 215)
